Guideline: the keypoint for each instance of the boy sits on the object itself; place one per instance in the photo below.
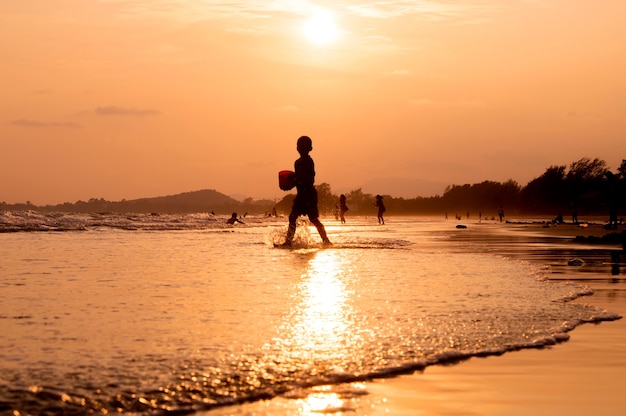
(306, 199)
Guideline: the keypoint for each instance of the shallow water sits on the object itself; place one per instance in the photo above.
(177, 317)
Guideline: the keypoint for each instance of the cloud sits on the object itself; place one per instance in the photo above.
(424, 102)
(124, 111)
(193, 10)
(423, 10)
(44, 124)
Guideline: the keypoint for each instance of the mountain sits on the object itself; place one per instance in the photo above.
(206, 200)
(196, 201)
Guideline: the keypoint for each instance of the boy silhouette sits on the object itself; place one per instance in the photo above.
(306, 198)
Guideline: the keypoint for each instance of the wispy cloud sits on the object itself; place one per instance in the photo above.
(424, 102)
(43, 124)
(198, 10)
(125, 111)
(432, 10)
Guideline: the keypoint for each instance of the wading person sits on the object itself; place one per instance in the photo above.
(306, 198)
(381, 209)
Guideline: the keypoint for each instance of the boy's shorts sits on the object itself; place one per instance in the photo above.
(305, 204)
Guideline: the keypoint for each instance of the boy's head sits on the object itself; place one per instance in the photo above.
(305, 145)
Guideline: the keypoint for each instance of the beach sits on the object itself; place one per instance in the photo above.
(582, 376)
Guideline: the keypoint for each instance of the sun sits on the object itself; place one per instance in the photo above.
(321, 28)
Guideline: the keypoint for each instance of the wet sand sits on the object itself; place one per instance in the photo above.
(582, 376)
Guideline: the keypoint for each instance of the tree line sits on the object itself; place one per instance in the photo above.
(586, 186)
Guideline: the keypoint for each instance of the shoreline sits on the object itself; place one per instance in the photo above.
(582, 376)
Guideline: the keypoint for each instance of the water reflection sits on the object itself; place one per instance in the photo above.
(320, 328)
(321, 400)
(331, 399)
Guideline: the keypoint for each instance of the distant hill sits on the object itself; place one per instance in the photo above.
(207, 200)
(196, 201)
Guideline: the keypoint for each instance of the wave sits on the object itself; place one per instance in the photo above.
(202, 388)
(32, 221)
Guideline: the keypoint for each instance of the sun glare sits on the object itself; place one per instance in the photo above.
(321, 28)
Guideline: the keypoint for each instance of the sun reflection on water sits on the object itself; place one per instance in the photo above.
(321, 324)
(321, 402)
(322, 399)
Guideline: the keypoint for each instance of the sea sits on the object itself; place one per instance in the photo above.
(153, 314)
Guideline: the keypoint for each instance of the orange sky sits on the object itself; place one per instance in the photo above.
(123, 99)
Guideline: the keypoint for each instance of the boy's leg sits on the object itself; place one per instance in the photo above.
(320, 229)
(291, 231)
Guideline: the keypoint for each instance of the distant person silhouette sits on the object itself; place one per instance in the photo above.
(381, 209)
(233, 219)
(342, 208)
(305, 202)
(613, 199)
(501, 213)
